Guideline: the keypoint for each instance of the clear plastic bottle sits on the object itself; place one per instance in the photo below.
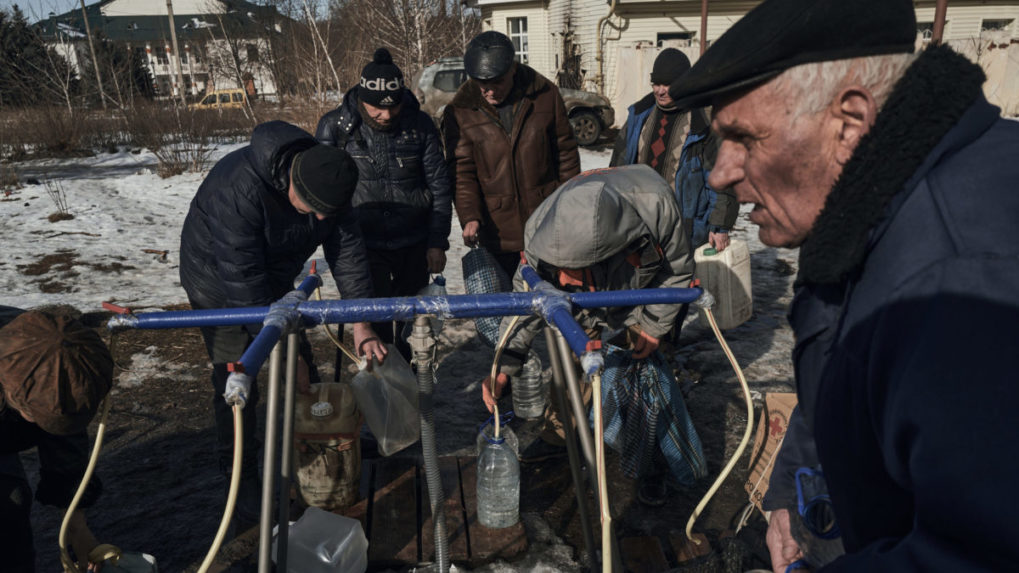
(529, 389)
(498, 484)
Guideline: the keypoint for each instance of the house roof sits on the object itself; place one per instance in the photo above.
(239, 18)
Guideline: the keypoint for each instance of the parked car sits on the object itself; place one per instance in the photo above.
(589, 112)
(221, 99)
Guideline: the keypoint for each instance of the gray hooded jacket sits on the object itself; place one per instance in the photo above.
(598, 220)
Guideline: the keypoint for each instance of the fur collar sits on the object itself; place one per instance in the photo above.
(924, 105)
(469, 94)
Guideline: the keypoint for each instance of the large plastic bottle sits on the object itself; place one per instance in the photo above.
(388, 397)
(323, 542)
(726, 276)
(529, 389)
(435, 288)
(498, 484)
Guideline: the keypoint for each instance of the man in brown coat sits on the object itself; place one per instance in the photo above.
(510, 144)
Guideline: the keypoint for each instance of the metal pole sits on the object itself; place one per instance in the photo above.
(272, 411)
(95, 61)
(563, 409)
(287, 449)
(176, 51)
(579, 411)
(704, 26)
(940, 13)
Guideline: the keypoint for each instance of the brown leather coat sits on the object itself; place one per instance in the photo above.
(502, 178)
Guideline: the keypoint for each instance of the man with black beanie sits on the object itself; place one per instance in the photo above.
(256, 218)
(510, 144)
(896, 181)
(403, 196)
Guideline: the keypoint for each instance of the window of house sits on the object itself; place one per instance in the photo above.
(449, 80)
(925, 29)
(252, 52)
(681, 39)
(996, 25)
(518, 34)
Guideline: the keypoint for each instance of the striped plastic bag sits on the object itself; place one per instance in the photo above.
(483, 275)
(645, 416)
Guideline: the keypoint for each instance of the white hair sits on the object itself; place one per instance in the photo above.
(812, 87)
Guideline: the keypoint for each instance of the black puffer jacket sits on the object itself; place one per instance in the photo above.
(243, 243)
(404, 194)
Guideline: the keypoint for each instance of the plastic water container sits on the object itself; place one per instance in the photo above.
(435, 288)
(483, 275)
(726, 276)
(388, 398)
(327, 451)
(486, 432)
(498, 484)
(530, 392)
(323, 542)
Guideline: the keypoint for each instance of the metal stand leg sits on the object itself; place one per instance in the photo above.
(269, 470)
(563, 408)
(287, 449)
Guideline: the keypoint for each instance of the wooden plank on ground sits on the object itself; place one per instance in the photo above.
(643, 554)
(687, 550)
(394, 530)
(456, 530)
(486, 544)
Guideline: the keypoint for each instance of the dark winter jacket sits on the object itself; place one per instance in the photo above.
(501, 179)
(404, 193)
(243, 243)
(704, 209)
(905, 316)
(62, 459)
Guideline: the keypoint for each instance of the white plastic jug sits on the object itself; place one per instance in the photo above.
(323, 542)
(388, 398)
(726, 276)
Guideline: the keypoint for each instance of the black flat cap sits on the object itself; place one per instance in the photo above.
(780, 34)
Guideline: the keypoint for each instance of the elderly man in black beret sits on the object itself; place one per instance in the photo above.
(897, 181)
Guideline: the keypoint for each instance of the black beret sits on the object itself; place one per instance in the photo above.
(780, 34)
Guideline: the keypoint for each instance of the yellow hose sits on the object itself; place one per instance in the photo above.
(334, 338)
(65, 557)
(231, 498)
(746, 435)
(495, 369)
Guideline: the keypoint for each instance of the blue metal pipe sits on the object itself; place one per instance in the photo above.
(558, 311)
(260, 347)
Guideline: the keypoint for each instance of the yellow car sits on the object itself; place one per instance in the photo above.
(221, 99)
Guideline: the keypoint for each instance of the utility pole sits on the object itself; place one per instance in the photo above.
(940, 13)
(176, 52)
(95, 61)
(704, 26)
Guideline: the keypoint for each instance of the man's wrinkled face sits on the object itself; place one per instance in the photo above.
(384, 116)
(662, 96)
(495, 91)
(785, 167)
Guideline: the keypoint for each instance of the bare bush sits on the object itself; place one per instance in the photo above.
(56, 192)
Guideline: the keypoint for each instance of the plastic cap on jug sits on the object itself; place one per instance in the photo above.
(710, 251)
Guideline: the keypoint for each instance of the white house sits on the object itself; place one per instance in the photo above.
(608, 46)
(209, 33)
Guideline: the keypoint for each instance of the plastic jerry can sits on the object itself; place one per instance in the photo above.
(388, 397)
(321, 542)
(726, 276)
(327, 451)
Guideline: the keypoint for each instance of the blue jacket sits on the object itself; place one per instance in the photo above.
(404, 192)
(696, 199)
(905, 316)
(243, 243)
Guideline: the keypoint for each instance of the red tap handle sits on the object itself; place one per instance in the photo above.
(116, 309)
